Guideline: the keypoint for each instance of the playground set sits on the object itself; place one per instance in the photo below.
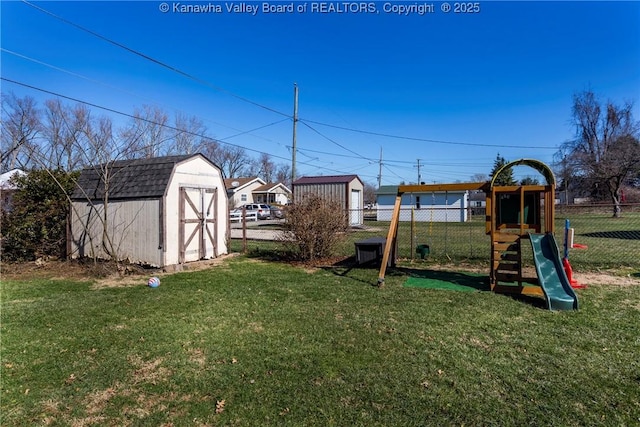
(514, 215)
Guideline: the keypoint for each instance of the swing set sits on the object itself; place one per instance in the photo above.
(514, 215)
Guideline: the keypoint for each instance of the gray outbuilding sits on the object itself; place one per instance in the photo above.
(163, 211)
(347, 190)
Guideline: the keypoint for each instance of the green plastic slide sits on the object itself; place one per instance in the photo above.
(551, 275)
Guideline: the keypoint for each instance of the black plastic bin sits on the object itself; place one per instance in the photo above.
(370, 250)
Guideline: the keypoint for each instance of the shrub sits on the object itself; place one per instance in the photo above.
(36, 223)
(313, 227)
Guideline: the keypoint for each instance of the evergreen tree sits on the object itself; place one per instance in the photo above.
(506, 176)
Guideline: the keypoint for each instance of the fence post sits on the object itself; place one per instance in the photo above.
(413, 232)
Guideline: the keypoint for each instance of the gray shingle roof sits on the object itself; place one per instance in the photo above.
(129, 179)
(330, 179)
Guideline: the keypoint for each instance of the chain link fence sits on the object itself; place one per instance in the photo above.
(447, 235)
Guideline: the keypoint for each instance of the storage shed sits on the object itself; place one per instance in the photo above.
(159, 212)
(437, 206)
(345, 189)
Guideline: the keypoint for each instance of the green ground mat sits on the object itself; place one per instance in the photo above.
(455, 281)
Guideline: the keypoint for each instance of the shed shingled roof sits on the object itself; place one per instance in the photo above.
(130, 179)
(329, 179)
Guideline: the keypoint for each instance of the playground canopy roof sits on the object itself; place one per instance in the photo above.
(535, 164)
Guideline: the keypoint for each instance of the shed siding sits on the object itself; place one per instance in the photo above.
(335, 192)
(133, 225)
(340, 192)
(194, 173)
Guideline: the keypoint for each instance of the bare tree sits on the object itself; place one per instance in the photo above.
(529, 180)
(267, 168)
(63, 129)
(233, 160)
(148, 134)
(103, 149)
(283, 174)
(211, 149)
(21, 128)
(369, 193)
(189, 134)
(480, 177)
(605, 151)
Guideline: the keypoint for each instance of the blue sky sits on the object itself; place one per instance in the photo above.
(450, 89)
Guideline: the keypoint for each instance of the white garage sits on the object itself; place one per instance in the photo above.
(437, 206)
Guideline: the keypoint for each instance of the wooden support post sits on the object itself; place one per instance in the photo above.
(391, 239)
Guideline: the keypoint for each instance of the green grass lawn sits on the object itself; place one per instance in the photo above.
(258, 343)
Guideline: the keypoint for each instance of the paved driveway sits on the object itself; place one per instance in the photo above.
(254, 234)
(256, 230)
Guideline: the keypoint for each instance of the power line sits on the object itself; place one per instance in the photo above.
(244, 99)
(198, 80)
(435, 141)
(89, 79)
(111, 110)
(155, 61)
(62, 70)
(114, 111)
(336, 143)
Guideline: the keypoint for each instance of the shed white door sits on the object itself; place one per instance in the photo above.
(197, 234)
(355, 208)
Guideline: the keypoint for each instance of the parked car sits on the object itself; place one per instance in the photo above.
(262, 210)
(236, 215)
(276, 212)
(253, 212)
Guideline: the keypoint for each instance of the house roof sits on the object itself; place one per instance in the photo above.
(5, 178)
(477, 195)
(270, 187)
(235, 184)
(329, 179)
(387, 189)
(129, 179)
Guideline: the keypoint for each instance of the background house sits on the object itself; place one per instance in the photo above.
(254, 190)
(344, 189)
(478, 202)
(449, 206)
(159, 212)
(240, 190)
(272, 193)
(7, 188)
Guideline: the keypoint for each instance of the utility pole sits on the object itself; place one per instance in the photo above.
(380, 170)
(295, 126)
(419, 176)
